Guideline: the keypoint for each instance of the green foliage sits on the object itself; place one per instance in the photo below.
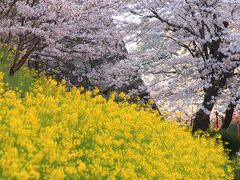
(236, 166)
(22, 79)
(230, 140)
(233, 128)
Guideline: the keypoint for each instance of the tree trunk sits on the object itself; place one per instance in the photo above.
(202, 119)
(11, 71)
(17, 65)
(228, 115)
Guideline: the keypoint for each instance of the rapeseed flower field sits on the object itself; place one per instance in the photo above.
(51, 133)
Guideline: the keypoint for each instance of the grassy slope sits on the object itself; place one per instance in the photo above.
(23, 78)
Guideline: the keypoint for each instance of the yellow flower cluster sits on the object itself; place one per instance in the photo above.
(55, 134)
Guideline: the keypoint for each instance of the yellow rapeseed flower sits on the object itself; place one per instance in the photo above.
(55, 134)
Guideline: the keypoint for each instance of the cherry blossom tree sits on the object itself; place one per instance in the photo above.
(206, 35)
(61, 29)
(72, 39)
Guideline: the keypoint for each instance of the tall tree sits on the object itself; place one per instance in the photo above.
(206, 31)
(75, 40)
(44, 28)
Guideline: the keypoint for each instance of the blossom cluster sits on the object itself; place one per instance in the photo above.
(52, 133)
(42, 27)
(199, 51)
